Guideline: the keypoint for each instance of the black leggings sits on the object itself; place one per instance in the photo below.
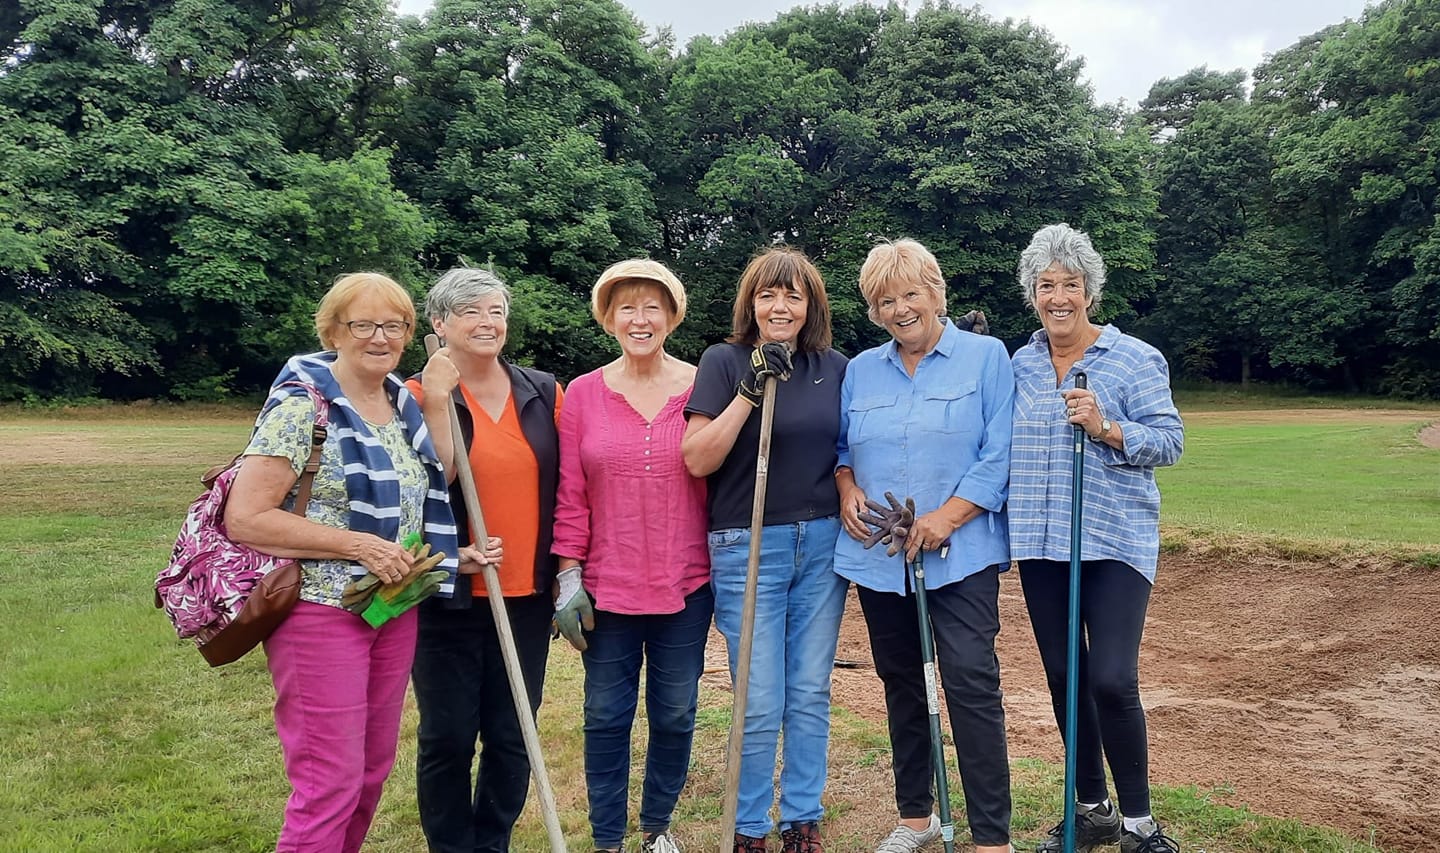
(1113, 600)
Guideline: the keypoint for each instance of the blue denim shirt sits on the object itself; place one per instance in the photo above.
(1120, 517)
(945, 432)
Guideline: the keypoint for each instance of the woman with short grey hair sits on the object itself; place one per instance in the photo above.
(1133, 427)
(508, 418)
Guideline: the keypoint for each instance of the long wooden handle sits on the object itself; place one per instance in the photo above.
(548, 810)
(747, 620)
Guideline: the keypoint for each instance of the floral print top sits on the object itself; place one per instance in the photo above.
(285, 432)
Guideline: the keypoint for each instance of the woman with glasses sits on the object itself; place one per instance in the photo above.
(508, 416)
(339, 683)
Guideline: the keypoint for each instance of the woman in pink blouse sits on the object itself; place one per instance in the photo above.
(630, 533)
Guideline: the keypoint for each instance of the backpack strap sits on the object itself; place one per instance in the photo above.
(307, 476)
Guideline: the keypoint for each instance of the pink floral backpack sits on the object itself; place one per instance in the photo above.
(226, 596)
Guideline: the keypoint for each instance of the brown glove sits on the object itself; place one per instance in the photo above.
(891, 525)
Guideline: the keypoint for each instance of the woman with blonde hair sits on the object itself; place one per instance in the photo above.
(927, 416)
(780, 328)
(630, 535)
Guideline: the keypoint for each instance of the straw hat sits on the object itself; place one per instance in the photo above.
(636, 270)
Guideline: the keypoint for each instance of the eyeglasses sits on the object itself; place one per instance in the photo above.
(365, 329)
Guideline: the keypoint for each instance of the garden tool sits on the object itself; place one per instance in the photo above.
(747, 612)
(1072, 647)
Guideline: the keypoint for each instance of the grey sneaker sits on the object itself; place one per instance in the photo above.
(660, 842)
(1148, 838)
(1097, 827)
(903, 839)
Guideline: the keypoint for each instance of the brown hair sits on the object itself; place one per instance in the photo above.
(348, 288)
(782, 268)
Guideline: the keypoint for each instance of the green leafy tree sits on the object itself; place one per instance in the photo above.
(158, 235)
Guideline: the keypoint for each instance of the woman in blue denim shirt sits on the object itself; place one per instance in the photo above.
(799, 600)
(1133, 427)
(927, 416)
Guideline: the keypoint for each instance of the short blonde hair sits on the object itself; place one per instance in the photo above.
(905, 261)
(351, 286)
(637, 272)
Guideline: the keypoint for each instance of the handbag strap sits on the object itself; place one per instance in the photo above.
(307, 476)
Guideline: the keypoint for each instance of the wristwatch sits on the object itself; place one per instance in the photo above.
(1105, 427)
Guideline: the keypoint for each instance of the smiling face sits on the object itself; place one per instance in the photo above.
(640, 318)
(477, 329)
(376, 354)
(1061, 302)
(780, 313)
(911, 314)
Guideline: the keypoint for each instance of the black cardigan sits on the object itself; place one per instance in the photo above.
(534, 393)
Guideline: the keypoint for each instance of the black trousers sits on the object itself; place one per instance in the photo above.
(965, 617)
(1113, 601)
(463, 693)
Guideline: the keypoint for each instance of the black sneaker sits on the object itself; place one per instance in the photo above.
(1098, 827)
(1148, 838)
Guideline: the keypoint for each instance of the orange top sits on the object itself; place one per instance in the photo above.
(507, 483)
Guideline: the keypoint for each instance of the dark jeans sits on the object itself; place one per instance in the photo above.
(965, 617)
(1113, 600)
(463, 694)
(673, 648)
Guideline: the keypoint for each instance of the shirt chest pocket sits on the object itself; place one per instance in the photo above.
(951, 409)
(872, 418)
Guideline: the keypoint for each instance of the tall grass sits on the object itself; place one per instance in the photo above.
(118, 738)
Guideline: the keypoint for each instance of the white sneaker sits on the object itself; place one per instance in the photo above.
(903, 839)
(660, 842)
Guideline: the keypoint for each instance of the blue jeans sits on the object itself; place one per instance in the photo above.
(673, 646)
(798, 604)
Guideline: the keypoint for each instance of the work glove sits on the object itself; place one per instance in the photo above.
(573, 610)
(768, 359)
(408, 593)
(973, 321)
(891, 525)
(360, 594)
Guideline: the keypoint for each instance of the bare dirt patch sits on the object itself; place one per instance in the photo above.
(1312, 690)
(1430, 435)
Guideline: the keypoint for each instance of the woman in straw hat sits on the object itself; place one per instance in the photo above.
(630, 534)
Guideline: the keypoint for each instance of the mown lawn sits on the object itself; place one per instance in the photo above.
(118, 738)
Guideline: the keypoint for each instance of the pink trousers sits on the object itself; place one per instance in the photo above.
(339, 692)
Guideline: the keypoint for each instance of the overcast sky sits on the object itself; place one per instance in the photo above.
(1126, 44)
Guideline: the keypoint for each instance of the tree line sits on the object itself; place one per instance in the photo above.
(181, 179)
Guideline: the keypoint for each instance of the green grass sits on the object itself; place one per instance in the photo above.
(118, 738)
(1338, 483)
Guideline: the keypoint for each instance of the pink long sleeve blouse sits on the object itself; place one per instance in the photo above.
(627, 508)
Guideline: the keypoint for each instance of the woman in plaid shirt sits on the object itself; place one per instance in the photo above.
(1133, 427)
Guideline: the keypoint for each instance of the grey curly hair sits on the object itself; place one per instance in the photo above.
(1069, 248)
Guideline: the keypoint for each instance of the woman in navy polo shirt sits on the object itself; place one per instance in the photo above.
(799, 600)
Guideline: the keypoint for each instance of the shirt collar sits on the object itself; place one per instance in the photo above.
(1109, 334)
(949, 337)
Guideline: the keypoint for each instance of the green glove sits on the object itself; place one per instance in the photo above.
(768, 359)
(573, 610)
(358, 594)
(383, 608)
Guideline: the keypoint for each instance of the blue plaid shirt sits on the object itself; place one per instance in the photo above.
(945, 432)
(1121, 511)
